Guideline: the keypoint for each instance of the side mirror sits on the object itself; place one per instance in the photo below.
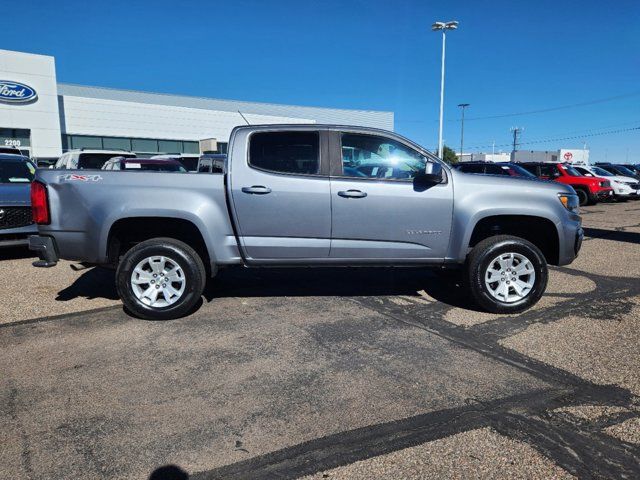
(431, 174)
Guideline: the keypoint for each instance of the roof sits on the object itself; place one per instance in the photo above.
(377, 118)
(98, 150)
(11, 156)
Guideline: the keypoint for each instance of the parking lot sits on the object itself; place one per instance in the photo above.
(327, 373)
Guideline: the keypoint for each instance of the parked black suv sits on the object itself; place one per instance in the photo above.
(620, 169)
(494, 168)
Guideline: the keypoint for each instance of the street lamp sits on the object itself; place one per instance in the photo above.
(463, 106)
(444, 26)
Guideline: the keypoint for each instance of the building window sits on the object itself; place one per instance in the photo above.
(190, 147)
(15, 137)
(141, 145)
(138, 145)
(114, 143)
(169, 146)
(85, 141)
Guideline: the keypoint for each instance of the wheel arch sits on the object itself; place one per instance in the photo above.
(540, 231)
(125, 232)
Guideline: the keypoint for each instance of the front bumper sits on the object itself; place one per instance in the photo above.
(577, 245)
(605, 194)
(571, 236)
(46, 249)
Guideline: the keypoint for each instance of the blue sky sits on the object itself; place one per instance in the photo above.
(506, 57)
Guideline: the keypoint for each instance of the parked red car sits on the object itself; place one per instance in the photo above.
(590, 190)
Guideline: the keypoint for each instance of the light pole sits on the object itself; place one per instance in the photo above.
(463, 106)
(444, 26)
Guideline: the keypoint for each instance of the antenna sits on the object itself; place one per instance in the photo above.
(243, 117)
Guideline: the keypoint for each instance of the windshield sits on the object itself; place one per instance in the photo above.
(625, 171)
(601, 172)
(16, 172)
(95, 161)
(190, 163)
(572, 171)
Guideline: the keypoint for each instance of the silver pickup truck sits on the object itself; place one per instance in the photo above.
(307, 195)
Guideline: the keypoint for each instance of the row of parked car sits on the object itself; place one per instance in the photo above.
(592, 183)
(17, 171)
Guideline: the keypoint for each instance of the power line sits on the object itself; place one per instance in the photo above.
(559, 139)
(553, 109)
(530, 112)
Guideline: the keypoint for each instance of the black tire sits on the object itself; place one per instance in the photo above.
(178, 252)
(583, 196)
(482, 256)
(621, 198)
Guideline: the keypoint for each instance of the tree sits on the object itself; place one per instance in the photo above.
(449, 156)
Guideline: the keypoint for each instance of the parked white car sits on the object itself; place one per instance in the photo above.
(88, 159)
(623, 187)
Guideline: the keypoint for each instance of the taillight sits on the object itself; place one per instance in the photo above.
(39, 203)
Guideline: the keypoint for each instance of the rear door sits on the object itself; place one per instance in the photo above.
(378, 212)
(281, 195)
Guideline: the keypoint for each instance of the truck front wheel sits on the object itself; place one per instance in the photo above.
(160, 279)
(506, 274)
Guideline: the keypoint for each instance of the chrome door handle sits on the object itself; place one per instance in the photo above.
(352, 194)
(256, 190)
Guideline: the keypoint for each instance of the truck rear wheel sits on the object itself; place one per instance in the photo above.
(160, 279)
(506, 274)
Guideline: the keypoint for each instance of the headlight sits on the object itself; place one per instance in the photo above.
(570, 202)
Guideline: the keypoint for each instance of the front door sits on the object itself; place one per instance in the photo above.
(378, 212)
(281, 196)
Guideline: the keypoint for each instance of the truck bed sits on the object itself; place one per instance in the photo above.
(84, 204)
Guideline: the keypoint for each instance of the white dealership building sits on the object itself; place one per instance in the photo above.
(45, 118)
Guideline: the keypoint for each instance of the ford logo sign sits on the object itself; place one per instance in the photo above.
(14, 92)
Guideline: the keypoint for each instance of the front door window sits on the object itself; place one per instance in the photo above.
(370, 156)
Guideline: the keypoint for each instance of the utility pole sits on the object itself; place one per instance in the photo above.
(516, 131)
(463, 106)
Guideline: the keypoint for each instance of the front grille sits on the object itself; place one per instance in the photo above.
(14, 217)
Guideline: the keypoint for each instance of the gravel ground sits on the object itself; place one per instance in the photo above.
(44, 292)
(627, 431)
(602, 351)
(474, 454)
(587, 325)
(559, 285)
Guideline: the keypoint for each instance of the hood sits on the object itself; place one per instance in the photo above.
(623, 179)
(15, 194)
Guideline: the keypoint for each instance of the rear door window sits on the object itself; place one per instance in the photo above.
(549, 171)
(531, 168)
(296, 153)
(496, 170)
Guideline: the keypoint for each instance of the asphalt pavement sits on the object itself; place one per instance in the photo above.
(331, 373)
